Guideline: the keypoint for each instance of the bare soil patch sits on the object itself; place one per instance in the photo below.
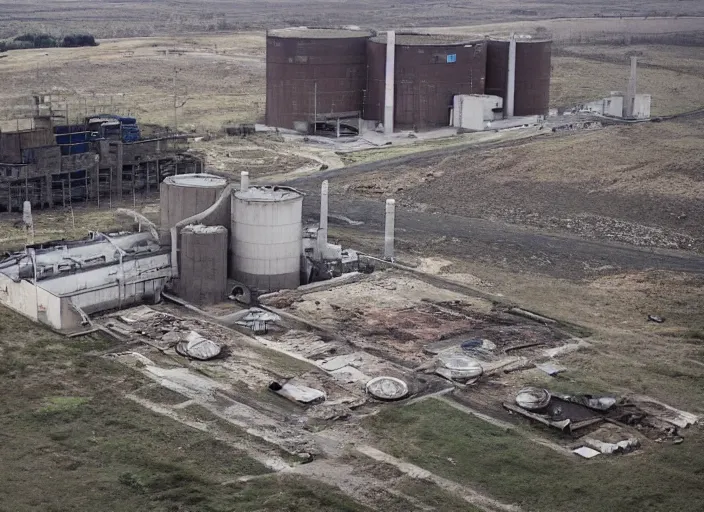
(633, 184)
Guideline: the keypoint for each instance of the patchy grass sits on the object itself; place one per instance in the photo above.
(58, 224)
(59, 404)
(694, 334)
(576, 80)
(223, 428)
(160, 395)
(512, 468)
(289, 493)
(70, 441)
(433, 496)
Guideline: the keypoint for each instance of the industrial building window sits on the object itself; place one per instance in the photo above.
(452, 57)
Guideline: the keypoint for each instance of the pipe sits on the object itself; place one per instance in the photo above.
(389, 229)
(389, 81)
(174, 252)
(244, 181)
(121, 275)
(33, 256)
(323, 231)
(198, 217)
(141, 219)
(511, 79)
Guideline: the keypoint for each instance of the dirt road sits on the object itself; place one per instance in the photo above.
(558, 255)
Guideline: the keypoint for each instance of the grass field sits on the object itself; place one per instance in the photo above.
(674, 89)
(130, 18)
(634, 184)
(59, 224)
(220, 77)
(217, 78)
(72, 441)
(512, 468)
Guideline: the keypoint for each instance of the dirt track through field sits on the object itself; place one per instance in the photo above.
(559, 255)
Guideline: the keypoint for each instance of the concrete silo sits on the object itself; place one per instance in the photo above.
(185, 195)
(203, 267)
(314, 75)
(429, 70)
(267, 234)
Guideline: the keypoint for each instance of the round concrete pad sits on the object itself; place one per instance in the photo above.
(387, 388)
(463, 367)
(533, 398)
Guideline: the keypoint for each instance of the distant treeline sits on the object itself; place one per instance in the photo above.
(26, 41)
(694, 38)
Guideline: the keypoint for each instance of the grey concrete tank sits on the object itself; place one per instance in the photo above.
(184, 195)
(267, 233)
(203, 273)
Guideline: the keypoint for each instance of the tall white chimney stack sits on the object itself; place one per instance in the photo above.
(632, 89)
(511, 78)
(389, 229)
(323, 231)
(389, 81)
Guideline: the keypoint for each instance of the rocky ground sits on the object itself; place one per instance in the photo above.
(639, 185)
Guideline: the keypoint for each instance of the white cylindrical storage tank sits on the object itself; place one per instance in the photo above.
(267, 233)
(203, 255)
(184, 195)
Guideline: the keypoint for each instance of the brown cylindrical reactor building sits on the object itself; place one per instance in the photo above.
(314, 74)
(533, 68)
(429, 71)
(203, 267)
(496, 68)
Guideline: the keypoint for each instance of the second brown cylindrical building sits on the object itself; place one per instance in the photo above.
(314, 74)
(533, 68)
(429, 71)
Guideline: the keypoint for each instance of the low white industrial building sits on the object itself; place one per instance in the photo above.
(59, 283)
(235, 243)
(611, 106)
(641, 106)
(615, 106)
(627, 106)
(474, 111)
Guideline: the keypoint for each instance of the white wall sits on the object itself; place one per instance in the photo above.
(93, 290)
(30, 301)
(140, 268)
(641, 106)
(18, 296)
(613, 106)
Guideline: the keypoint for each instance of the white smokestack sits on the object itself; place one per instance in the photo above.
(511, 80)
(28, 221)
(389, 230)
(389, 81)
(632, 89)
(244, 181)
(323, 231)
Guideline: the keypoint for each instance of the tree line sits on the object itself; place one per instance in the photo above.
(26, 41)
